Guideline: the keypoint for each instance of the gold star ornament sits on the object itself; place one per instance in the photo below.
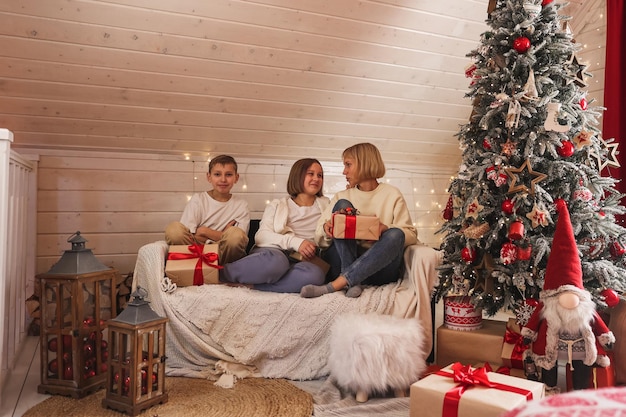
(518, 184)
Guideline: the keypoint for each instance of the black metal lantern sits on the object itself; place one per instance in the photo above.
(77, 299)
(136, 365)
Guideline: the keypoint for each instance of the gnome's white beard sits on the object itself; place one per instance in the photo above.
(571, 321)
(575, 322)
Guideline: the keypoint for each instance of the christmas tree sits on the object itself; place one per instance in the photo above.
(532, 138)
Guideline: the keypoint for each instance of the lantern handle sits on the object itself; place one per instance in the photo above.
(139, 294)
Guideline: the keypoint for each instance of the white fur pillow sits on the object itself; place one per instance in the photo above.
(374, 353)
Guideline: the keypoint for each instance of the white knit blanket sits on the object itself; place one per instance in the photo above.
(279, 335)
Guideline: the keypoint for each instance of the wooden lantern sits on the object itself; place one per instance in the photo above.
(77, 299)
(136, 365)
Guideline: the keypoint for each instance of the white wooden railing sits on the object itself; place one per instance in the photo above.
(17, 257)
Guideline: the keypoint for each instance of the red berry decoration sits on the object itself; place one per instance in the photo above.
(486, 144)
(610, 297)
(546, 2)
(507, 206)
(566, 150)
(521, 44)
(468, 255)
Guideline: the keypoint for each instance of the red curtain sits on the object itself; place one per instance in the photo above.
(614, 119)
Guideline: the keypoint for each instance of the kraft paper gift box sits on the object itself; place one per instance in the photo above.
(475, 346)
(513, 347)
(196, 264)
(457, 391)
(350, 226)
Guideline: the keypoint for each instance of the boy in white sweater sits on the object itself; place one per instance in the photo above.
(215, 216)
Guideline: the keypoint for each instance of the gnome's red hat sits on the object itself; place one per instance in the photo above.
(564, 271)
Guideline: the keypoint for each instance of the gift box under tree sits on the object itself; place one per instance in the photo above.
(476, 346)
(513, 347)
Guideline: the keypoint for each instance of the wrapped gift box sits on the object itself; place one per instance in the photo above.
(192, 265)
(513, 347)
(476, 346)
(349, 226)
(506, 393)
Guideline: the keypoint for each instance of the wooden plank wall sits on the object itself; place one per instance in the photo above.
(120, 202)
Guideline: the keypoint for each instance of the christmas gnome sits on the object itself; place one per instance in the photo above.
(565, 325)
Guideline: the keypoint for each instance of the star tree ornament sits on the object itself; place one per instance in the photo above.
(538, 217)
(473, 209)
(608, 148)
(583, 138)
(537, 177)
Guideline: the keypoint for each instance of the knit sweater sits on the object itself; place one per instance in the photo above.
(273, 231)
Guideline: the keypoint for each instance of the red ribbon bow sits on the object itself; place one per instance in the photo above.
(513, 338)
(468, 377)
(197, 251)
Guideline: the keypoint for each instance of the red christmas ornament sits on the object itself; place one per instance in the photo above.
(507, 206)
(524, 252)
(566, 150)
(610, 297)
(617, 249)
(68, 372)
(468, 255)
(53, 344)
(521, 44)
(486, 144)
(448, 212)
(583, 103)
(531, 302)
(53, 366)
(508, 253)
(516, 230)
(67, 341)
(546, 2)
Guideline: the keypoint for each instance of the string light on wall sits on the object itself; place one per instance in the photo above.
(244, 186)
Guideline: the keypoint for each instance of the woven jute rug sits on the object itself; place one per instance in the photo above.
(191, 397)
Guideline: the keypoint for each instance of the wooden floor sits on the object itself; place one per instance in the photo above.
(20, 391)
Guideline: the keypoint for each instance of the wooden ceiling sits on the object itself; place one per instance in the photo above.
(277, 79)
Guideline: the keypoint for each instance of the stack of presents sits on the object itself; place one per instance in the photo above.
(481, 367)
